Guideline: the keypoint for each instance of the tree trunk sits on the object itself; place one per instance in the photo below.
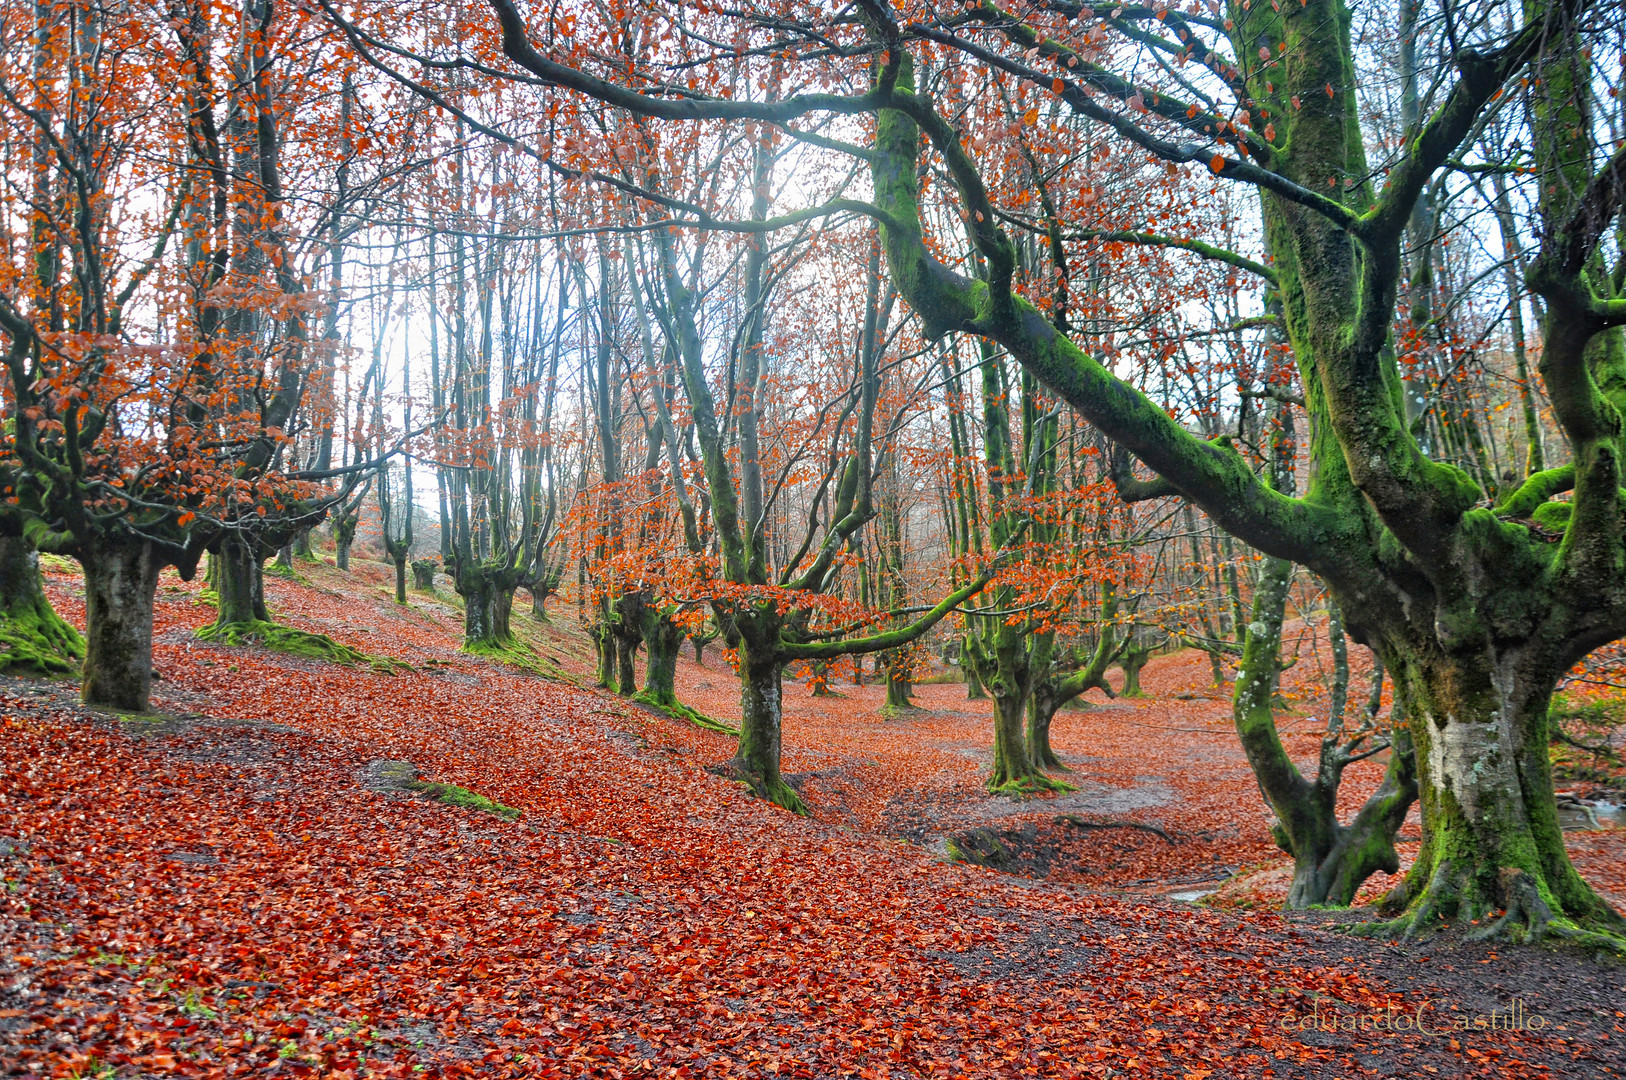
(33, 638)
(423, 575)
(539, 605)
(1134, 658)
(1041, 710)
(756, 762)
(341, 550)
(899, 686)
(239, 582)
(626, 667)
(400, 578)
(1330, 860)
(1014, 771)
(120, 584)
(604, 650)
(699, 652)
(1492, 841)
(662, 640)
(487, 602)
(820, 682)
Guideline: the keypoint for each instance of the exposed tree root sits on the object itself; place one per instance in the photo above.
(776, 790)
(679, 711)
(39, 643)
(511, 650)
(1526, 916)
(1029, 784)
(286, 639)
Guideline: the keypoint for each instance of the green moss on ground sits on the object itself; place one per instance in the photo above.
(452, 795)
(520, 654)
(679, 711)
(52, 563)
(1027, 786)
(38, 642)
(286, 639)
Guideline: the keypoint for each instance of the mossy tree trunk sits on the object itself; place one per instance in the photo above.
(626, 631)
(423, 575)
(900, 684)
(239, 570)
(488, 600)
(1057, 688)
(33, 638)
(121, 582)
(1330, 859)
(662, 640)
(762, 714)
(1133, 658)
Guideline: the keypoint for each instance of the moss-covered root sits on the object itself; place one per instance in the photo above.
(769, 789)
(35, 641)
(33, 638)
(1026, 785)
(679, 711)
(286, 639)
(511, 650)
(1527, 916)
(452, 795)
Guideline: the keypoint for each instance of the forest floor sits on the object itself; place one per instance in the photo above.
(229, 886)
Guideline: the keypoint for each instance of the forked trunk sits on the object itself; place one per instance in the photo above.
(33, 638)
(121, 581)
(239, 582)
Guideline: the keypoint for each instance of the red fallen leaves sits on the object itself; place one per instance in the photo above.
(231, 899)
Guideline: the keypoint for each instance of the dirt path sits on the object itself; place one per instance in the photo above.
(233, 895)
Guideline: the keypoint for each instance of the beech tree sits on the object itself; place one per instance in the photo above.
(1474, 613)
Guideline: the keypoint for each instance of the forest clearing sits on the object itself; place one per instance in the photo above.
(891, 539)
(224, 890)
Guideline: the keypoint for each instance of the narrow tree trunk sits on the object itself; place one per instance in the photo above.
(1041, 711)
(33, 638)
(756, 762)
(1134, 658)
(401, 578)
(539, 605)
(604, 651)
(121, 581)
(699, 652)
(341, 550)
